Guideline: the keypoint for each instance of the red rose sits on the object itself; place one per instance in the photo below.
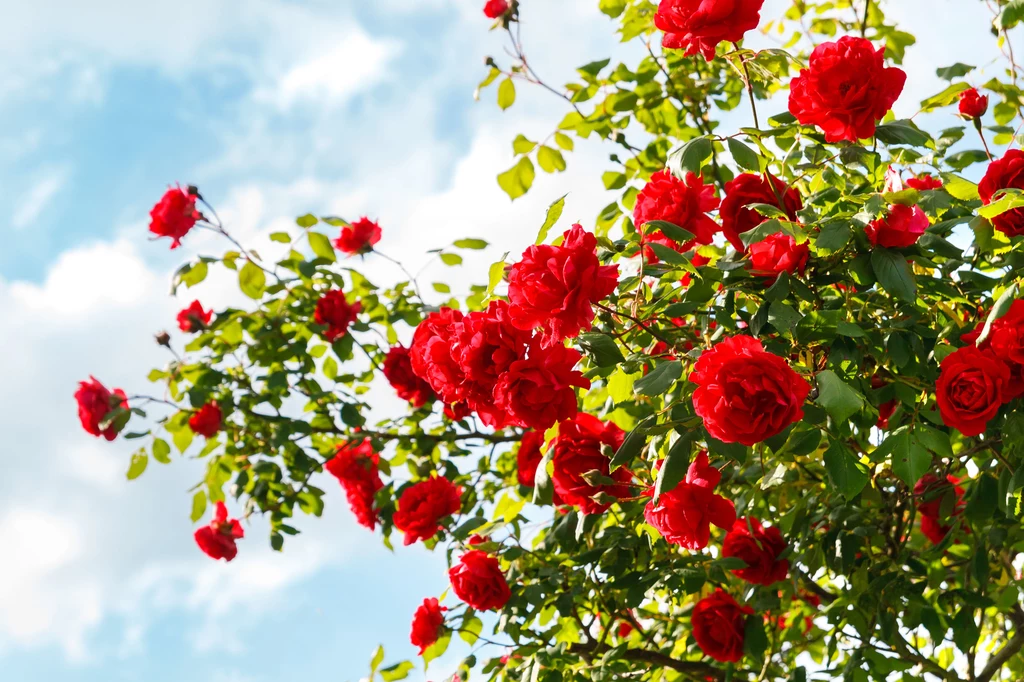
(745, 394)
(194, 318)
(1005, 173)
(933, 529)
(624, 629)
(495, 8)
(684, 514)
(699, 25)
(760, 548)
(422, 506)
(487, 345)
(775, 254)
(846, 89)
(539, 391)
(528, 457)
(398, 371)
(746, 189)
(972, 384)
(432, 354)
(427, 624)
(174, 215)
(477, 580)
(719, 626)
(898, 229)
(925, 181)
(930, 492)
(973, 104)
(359, 237)
(355, 467)
(456, 411)
(554, 287)
(95, 403)
(1006, 341)
(684, 203)
(217, 540)
(335, 312)
(886, 409)
(207, 420)
(579, 449)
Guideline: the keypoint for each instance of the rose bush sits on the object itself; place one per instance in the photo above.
(759, 419)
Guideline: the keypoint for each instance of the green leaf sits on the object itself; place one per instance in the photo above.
(1012, 14)
(910, 460)
(398, 671)
(833, 236)
(601, 348)
(437, 649)
(506, 94)
(845, 472)
(744, 156)
(755, 641)
(451, 259)
(691, 157)
(612, 8)
(782, 316)
(902, 132)
(838, 398)
(673, 469)
(308, 220)
(192, 275)
(553, 214)
(495, 273)
(670, 230)
(521, 145)
(472, 244)
(542, 487)
(962, 189)
(984, 499)
(252, 281)
(564, 141)
(958, 70)
(470, 630)
(518, 179)
(660, 379)
(944, 98)
(198, 505)
(441, 287)
(321, 246)
(161, 451)
(378, 658)
(894, 274)
(550, 160)
(1001, 307)
(631, 446)
(137, 464)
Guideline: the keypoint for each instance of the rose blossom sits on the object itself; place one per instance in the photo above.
(846, 89)
(194, 318)
(427, 624)
(538, 392)
(397, 369)
(528, 457)
(580, 448)
(355, 466)
(359, 237)
(335, 312)
(901, 227)
(217, 540)
(699, 25)
(431, 352)
(1005, 173)
(745, 394)
(95, 402)
(422, 506)
(760, 548)
(495, 8)
(775, 254)
(207, 420)
(477, 580)
(973, 104)
(487, 345)
(972, 385)
(719, 626)
(925, 181)
(1006, 342)
(684, 203)
(174, 215)
(554, 288)
(684, 514)
(748, 188)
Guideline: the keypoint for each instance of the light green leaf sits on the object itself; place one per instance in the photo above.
(506, 94)
(745, 156)
(398, 671)
(470, 630)
(137, 464)
(469, 243)
(552, 216)
(518, 179)
(252, 281)
(198, 505)
(550, 159)
(321, 246)
(161, 451)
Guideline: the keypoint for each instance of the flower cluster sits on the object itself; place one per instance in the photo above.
(355, 466)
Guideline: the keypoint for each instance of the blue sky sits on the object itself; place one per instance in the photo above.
(274, 108)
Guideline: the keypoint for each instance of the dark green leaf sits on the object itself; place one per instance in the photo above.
(844, 471)
(660, 379)
(894, 274)
(838, 398)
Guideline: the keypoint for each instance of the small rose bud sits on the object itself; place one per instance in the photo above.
(973, 104)
(163, 339)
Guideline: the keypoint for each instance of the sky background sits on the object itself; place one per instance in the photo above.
(273, 109)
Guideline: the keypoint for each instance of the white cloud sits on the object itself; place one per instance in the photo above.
(39, 196)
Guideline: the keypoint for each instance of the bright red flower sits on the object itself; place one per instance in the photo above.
(174, 215)
(846, 89)
(477, 580)
(1006, 342)
(579, 449)
(886, 409)
(1005, 173)
(901, 227)
(432, 353)
(699, 25)
(746, 189)
(760, 548)
(925, 181)
(778, 253)
(335, 312)
(217, 540)
(422, 506)
(719, 626)
(745, 394)
(972, 385)
(973, 104)
(684, 203)
(539, 391)
(553, 288)
(528, 457)
(931, 493)
(398, 371)
(95, 402)
(359, 237)
(355, 466)
(487, 344)
(624, 629)
(684, 514)
(194, 318)
(495, 8)
(207, 420)
(427, 624)
(456, 411)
